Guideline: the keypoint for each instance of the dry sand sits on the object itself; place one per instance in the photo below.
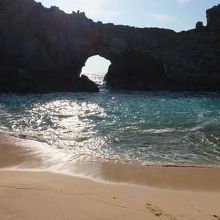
(32, 195)
(159, 193)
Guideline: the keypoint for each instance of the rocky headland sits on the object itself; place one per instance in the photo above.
(44, 50)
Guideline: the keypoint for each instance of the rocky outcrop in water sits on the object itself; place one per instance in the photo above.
(44, 50)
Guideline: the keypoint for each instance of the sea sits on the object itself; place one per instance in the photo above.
(165, 128)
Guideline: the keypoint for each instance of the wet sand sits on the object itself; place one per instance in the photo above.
(129, 191)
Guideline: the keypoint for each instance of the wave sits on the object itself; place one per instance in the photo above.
(119, 125)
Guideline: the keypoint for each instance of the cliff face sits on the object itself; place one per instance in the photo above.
(213, 19)
(44, 50)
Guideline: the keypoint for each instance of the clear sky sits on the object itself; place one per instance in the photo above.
(173, 14)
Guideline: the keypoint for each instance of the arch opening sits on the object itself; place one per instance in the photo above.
(96, 68)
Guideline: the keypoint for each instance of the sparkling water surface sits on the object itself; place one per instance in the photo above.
(143, 127)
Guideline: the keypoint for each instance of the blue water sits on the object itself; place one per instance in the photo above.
(141, 127)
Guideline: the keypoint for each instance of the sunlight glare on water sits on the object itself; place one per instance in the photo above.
(141, 127)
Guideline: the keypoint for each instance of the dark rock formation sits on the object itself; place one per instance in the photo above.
(199, 26)
(43, 50)
(213, 19)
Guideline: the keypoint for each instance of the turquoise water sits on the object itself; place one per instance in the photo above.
(142, 127)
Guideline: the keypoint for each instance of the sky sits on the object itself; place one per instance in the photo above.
(172, 14)
(177, 15)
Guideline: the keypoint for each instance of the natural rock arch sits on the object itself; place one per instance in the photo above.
(44, 50)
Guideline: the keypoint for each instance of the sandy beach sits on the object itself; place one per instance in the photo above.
(128, 192)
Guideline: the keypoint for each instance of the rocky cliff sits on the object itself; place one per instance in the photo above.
(43, 50)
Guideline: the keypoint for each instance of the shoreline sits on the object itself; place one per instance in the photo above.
(19, 155)
(124, 191)
(20, 141)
